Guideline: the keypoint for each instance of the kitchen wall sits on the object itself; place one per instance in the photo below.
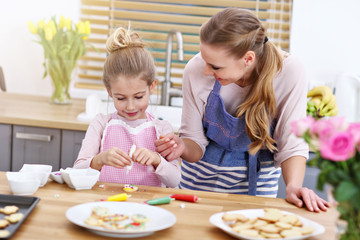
(20, 57)
(325, 35)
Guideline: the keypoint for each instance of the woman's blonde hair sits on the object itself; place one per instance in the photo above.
(240, 31)
(127, 57)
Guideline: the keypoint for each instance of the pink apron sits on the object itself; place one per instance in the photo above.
(118, 134)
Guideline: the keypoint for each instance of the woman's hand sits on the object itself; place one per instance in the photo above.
(302, 195)
(170, 146)
(112, 157)
(146, 157)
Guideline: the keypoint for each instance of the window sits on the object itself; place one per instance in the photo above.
(152, 19)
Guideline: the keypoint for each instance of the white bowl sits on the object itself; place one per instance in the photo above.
(42, 170)
(23, 183)
(57, 177)
(80, 178)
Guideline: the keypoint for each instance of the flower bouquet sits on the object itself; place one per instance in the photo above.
(64, 44)
(337, 147)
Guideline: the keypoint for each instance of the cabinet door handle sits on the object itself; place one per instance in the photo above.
(36, 137)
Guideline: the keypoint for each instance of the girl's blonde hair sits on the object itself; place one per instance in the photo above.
(127, 57)
(240, 31)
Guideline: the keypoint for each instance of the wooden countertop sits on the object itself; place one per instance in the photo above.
(37, 111)
(48, 220)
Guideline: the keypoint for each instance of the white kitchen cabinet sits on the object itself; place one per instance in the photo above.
(5, 147)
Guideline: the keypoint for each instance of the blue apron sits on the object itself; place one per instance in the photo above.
(227, 165)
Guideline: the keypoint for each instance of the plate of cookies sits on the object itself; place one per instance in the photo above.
(120, 219)
(268, 223)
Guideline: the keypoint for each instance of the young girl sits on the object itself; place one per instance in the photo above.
(129, 78)
(240, 96)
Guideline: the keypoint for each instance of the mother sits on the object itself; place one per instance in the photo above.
(240, 95)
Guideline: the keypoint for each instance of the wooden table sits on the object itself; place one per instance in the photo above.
(48, 221)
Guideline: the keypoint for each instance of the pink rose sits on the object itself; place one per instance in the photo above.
(354, 129)
(300, 127)
(338, 122)
(339, 146)
(322, 129)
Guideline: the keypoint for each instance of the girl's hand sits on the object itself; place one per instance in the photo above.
(146, 157)
(170, 146)
(112, 157)
(299, 196)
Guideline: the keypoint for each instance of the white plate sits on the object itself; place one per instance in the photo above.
(216, 219)
(159, 218)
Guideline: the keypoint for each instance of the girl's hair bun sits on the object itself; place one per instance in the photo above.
(123, 38)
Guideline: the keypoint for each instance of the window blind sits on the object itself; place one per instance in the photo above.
(153, 19)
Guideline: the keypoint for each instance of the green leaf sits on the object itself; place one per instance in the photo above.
(357, 177)
(345, 191)
(338, 175)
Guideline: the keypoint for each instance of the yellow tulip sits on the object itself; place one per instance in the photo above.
(61, 22)
(52, 26)
(32, 27)
(80, 27)
(41, 24)
(87, 30)
(68, 24)
(87, 27)
(48, 33)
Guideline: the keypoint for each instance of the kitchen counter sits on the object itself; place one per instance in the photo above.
(37, 111)
(48, 220)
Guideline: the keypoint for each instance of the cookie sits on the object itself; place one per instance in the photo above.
(100, 212)
(114, 225)
(270, 235)
(306, 230)
(229, 217)
(4, 233)
(270, 228)
(115, 218)
(290, 233)
(9, 209)
(290, 219)
(14, 218)
(252, 220)
(139, 218)
(283, 225)
(298, 224)
(271, 215)
(135, 226)
(250, 233)
(259, 223)
(130, 188)
(238, 227)
(3, 223)
(94, 221)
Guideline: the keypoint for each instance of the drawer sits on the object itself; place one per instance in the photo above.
(34, 145)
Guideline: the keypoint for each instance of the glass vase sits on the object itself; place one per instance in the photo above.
(61, 72)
